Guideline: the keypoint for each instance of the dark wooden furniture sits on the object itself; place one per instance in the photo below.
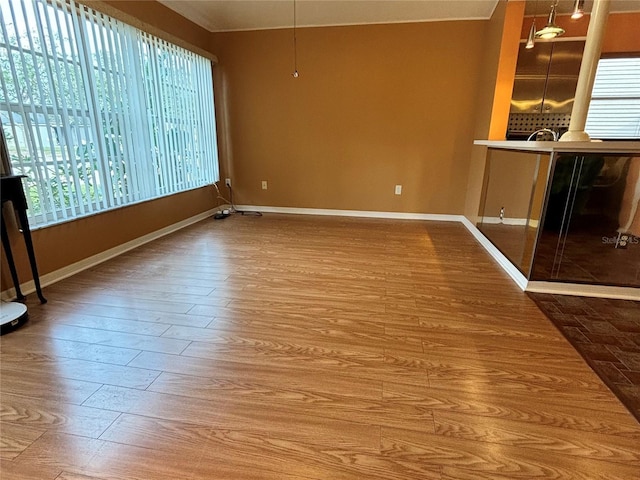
(12, 191)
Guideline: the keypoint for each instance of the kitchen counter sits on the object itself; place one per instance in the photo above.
(566, 220)
(563, 147)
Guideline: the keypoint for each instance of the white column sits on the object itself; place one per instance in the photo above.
(592, 49)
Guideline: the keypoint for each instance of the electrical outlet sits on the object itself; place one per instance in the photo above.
(264, 184)
(227, 182)
(501, 213)
(398, 189)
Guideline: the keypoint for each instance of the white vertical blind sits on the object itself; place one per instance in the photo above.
(98, 114)
(614, 111)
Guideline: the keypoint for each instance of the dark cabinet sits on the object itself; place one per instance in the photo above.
(587, 235)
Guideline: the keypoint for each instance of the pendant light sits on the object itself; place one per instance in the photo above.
(531, 39)
(578, 9)
(295, 73)
(532, 35)
(550, 30)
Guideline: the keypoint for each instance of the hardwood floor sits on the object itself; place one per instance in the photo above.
(300, 348)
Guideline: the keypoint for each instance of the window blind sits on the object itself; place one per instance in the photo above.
(614, 111)
(98, 114)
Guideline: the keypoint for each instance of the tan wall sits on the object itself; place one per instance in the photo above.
(516, 183)
(484, 107)
(374, 106)
(510, 184)
(508, 60)
(621, 35)
(61, 245)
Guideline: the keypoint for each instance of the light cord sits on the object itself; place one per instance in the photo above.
(295, 43)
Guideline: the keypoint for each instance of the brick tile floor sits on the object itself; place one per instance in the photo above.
(607, 334)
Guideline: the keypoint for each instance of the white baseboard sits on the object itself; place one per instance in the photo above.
(222, 207)
(515, 274)
(77, 267)
(351, 213)
(627, 293)
(580, 290)
(557, 288)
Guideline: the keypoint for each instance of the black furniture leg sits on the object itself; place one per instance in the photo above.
(12, 266)
(24, 223)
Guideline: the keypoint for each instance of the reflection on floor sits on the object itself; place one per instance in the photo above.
(303, 348)
(589, 255)
(516, 242)
(607, 334)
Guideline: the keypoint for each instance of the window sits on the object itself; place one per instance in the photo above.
(98, 114)
(614, 112)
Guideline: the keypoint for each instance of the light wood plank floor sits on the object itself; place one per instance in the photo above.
(299, 348)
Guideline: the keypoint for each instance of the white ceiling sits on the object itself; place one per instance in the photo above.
(230, 15)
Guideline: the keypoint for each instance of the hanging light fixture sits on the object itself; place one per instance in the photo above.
(532, 35)
(550, 30)
(578, 9)
(531, 39)
(295, 73)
